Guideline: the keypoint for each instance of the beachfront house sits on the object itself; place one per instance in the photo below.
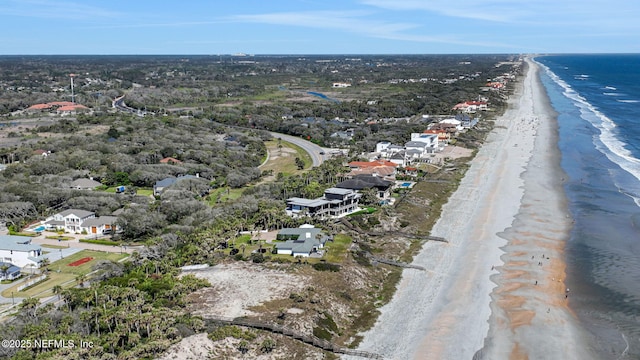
(335, 203)
(19, 250)
(361, 182)
(302, 241)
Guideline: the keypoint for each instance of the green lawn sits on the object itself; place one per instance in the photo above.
(60, 273)
(139, 191)
(43, 289)
(223, 194)
(282, 159)
(336, 250)
(53, 246)
(86, 267)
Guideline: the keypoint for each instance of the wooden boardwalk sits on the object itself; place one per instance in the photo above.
(308, 339)
(399, 233)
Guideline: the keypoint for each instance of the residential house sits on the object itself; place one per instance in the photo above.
(71, 109)
(429, 139)
(335, 203)
(370, 164)
(362, 182)
(471, 106)
(84, 184)
(170, 160)
(302, 241)
(442, 134)
(69, 220)
(160, 185)
(19, 251)
(101, 225)
(11, 272)
(381, 171)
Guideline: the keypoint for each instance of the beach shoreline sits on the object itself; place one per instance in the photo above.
(479, 296)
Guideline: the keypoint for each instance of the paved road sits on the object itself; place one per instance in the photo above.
(313, 149)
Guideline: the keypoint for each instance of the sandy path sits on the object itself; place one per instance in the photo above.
(444, 313)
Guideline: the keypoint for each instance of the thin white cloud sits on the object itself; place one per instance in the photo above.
(593, 12)
(488, 10)
(54, 9)
(358, 23)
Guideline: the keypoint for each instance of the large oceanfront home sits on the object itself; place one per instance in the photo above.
(334, 204)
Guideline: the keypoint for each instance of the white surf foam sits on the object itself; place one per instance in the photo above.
(608, 142)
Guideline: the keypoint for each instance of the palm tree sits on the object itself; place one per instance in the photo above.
(80, 279)
(4, 269)
(57, 290)
(44, 263)
(30, 305)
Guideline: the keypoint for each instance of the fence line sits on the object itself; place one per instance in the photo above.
(308, 339)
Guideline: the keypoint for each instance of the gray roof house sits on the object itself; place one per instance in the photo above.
(160, 185)
(19, 251)
(100, 225)
(361, 182)
(302, 241)
(84, 184)
(12, 272)
(69, 220)
(335, 203)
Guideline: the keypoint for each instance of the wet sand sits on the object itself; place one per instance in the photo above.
(479, 296)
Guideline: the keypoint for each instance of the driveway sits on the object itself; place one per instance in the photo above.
(76, 244)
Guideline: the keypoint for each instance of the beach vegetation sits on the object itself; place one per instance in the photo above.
(214, 124)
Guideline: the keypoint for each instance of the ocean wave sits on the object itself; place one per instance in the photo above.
(610, 88)
(611, 94)
(628, 101)
(608, 143)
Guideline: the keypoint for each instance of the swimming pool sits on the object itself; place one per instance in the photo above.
(38, 229)
(407, 184)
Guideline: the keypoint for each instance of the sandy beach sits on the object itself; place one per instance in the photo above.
(496, 290)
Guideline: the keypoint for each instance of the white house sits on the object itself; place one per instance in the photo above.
(100, 225)
(335, 203)
(430, 139)
(69, 220)
(19, 251)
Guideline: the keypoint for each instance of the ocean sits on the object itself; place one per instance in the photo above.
(597, 98)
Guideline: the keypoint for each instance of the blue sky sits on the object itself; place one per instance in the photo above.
(318, 27)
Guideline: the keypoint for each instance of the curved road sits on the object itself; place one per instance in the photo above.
(314, 150)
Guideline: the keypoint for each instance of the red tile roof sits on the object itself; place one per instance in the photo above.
(71, 107)
(170, 159)
(365, 164)
(39, 107)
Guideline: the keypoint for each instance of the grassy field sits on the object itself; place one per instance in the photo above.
(139, 191)
(62, 274)
(336, 251)
(282, 159)
(53, 246)
(223, 194)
